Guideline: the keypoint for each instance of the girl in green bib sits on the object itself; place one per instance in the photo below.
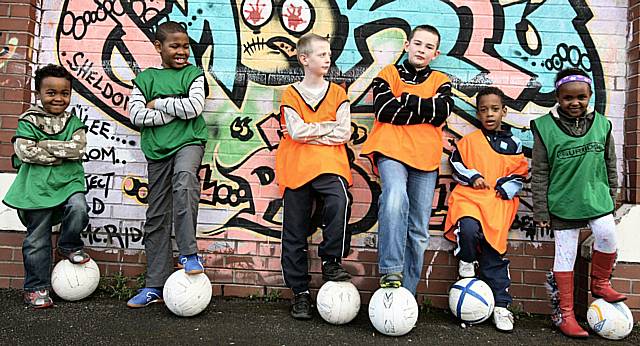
(49, 187)
(574, 182)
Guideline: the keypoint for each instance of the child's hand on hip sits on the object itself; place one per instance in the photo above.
(151, 104)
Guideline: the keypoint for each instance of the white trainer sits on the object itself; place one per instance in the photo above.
(466, 269)
(503, 319)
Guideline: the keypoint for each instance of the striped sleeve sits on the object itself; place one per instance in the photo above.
(461, 173)
(510, 185)
(388, 109)
(434, 110)
(141, 116)
(185, 107)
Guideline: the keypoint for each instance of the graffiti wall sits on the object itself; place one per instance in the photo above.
(247, 50)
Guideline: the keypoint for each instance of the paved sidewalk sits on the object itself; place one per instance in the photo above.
(99, 320)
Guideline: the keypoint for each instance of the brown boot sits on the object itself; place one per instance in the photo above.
(567, 319)
(601, 267)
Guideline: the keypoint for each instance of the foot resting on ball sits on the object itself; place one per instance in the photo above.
(391, 280)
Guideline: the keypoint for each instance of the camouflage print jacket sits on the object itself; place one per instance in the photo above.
(49, 152)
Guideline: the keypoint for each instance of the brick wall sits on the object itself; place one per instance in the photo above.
(258, 273)
(240, 211)
(17, 27)
(632, 112)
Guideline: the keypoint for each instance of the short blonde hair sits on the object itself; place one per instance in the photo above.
(305, 44)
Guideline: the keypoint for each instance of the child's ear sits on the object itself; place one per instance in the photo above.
(158, 45)
(302, 59)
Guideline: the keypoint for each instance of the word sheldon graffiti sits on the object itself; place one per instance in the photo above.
(247, 51)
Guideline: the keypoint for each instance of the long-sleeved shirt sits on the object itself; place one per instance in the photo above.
(541, 169)
(322, 133)
(410, 109)
(503, 142)
(49, 152)
(167, 109)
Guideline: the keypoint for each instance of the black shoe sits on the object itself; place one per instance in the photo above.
(333, 271)
(301, 306)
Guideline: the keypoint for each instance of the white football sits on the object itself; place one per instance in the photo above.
(612, 321)
(338, 302)
(75, 281)
(187, 295)
(393, 311)
(471, 300)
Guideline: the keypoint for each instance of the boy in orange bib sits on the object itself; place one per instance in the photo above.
(489, 167)
(312, 161)
(412, 103)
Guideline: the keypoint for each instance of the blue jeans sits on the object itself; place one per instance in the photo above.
(403, 219)
(36, 247)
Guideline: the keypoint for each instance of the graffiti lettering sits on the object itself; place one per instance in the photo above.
(508, 44)
(240, 129)
(104, 88)
(99, 181)
(112, 235)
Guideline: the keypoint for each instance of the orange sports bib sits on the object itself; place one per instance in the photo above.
(494, 213)
(418, 146)
(299, 163)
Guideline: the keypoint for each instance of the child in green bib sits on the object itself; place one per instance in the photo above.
(49, 187)
(167, 103)
(574, 182)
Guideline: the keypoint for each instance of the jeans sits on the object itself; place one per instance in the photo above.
(403, 219)
(36, 247)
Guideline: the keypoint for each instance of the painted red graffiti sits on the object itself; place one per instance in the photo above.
(294, 18)
(255, 13)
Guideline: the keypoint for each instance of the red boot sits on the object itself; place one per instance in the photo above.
(567, 319)
(601, 267)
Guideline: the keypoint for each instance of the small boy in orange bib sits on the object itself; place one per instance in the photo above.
(489, 167)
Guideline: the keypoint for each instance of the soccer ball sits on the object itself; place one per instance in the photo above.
(187, 295)
(75, 281)
(471, 300)
(393, 311)
(610, 321)
(338, 302)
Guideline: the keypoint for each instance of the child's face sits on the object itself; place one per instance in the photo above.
(490, 111)
(319, 61)
(174, 50)
(55, 94)
(422, 48)
(573, 98)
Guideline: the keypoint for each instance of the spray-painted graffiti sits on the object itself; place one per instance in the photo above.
(7, 49)
(247, 50)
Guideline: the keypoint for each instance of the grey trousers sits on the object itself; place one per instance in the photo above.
(174, 194)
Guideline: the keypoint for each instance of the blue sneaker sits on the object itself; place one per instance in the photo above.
(145, 297)
(192, 264)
